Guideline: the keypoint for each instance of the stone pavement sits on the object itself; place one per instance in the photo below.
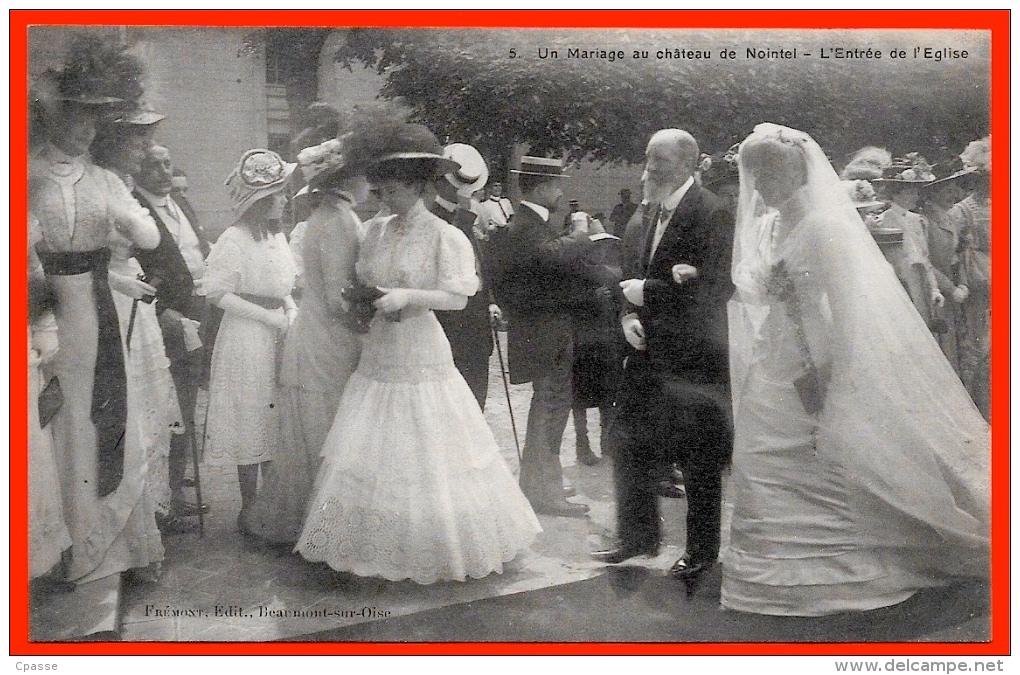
(225, 588)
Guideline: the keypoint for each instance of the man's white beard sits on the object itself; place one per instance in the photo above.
(656, 192)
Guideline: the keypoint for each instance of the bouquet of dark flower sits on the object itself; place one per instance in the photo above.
(810, 386)
(361, 299)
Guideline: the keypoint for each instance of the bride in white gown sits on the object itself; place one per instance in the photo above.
(860, 465)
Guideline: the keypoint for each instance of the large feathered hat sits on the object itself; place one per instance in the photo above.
(868, 163)
(323, 122)
(977, 157)
(911, 168)
(96, 71)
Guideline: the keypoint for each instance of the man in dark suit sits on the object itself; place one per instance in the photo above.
(621, 213)
(176, 265)
(674, 402)
(468, 330)
(539, 280)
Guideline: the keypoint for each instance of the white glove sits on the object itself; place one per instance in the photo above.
(682, 272)
(191, 339)
(937, 298)
(633, 331)
(960, 293)
(133, 287)
(45, 342)
(634, 291)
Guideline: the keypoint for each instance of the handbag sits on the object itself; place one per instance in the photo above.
(51, 398)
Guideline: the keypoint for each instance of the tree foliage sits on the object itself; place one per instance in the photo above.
(463, 83)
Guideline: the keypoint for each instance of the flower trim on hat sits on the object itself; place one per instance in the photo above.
(912, 167)
(261, 168)
(320, 158)
(977, 156)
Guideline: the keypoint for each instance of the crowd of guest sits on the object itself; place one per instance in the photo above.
(752, 310)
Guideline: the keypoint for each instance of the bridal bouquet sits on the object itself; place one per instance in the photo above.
(811, 385)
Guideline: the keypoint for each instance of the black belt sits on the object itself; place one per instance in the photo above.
(109, 380)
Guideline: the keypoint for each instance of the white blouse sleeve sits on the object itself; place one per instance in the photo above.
(224, 267)
(457, 271)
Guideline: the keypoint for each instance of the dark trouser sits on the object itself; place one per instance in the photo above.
(186, 369)
(472, 360)
(541, 473)
(663, 418)
(470, 339)
(580, 415)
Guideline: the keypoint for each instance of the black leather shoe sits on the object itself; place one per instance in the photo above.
(180, 509)
(615, 556)
(690, 573)
(565, 509)
(671, 490)
(586, 456)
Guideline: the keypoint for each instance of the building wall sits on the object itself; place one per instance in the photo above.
(211, 85)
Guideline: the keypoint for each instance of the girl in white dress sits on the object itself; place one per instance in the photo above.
(249, 275)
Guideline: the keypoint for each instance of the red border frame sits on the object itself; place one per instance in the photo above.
(994, 21)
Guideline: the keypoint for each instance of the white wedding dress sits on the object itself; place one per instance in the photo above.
(885, 490)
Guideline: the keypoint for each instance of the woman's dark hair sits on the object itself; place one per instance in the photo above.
(333, 182)
(406, 171)
(257, 221)
(111, 139)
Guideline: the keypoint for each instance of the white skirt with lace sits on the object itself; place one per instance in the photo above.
(412, 484)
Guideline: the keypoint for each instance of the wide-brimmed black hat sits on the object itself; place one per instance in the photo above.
(70, 86)
(950, 171)
(541, 166)
(413, 142)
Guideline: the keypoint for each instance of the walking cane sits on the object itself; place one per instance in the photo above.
(189, 428)
(506, 385)
(131, 323)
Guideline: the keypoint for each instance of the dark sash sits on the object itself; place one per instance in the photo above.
(109, 381)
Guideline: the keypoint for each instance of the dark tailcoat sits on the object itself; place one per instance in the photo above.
(541, 281)
(598, 339)
(166, 263)
(176, 290)
(674, 401)
(468, 330)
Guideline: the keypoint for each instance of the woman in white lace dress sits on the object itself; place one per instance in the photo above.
(79, 208)
(412, 484)
(249, 275)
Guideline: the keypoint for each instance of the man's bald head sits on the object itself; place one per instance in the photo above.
(670, 159)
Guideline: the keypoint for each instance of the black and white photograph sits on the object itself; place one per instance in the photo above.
(352, 334)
